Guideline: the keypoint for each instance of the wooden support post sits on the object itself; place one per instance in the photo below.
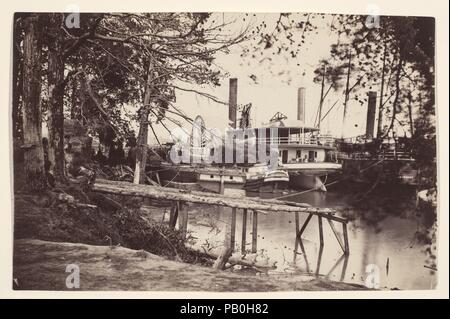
(255, 232)
(319, 260)
(183, 220)
(296, 250)
(344, 230)
(302, 247)
(158, 178)
(304, 225)
(297, 223)
(222, 184)
(336, 234)
(227, 249)
(320, 230)
(244, 231)
(335, 265)
(180, 216)
(173, 215)
(344, 268)
(233, 228)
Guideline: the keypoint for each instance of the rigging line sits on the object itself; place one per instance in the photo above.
(154, 152)
(317, 115)
(312, 116)
(161, 122)
(154, 133)
(177, 124)
(374, 185)
(194, 124)
(176, 175)
(186, 118)
(180, 111)
(329, 110)
(160, 170)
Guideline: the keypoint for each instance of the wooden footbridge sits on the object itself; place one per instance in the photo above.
(255, 205)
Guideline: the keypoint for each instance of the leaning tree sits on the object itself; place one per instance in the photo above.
(168, 52)
(111, 62)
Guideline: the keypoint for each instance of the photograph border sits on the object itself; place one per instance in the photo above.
(439, 10)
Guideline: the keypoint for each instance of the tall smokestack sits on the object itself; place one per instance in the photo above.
(371, 109)
(301, 104)
(232, 107)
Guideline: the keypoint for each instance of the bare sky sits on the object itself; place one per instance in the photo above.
(275, 88)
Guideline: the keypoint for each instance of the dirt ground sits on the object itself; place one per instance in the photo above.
(41, 265)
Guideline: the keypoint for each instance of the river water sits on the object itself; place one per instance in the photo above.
(385, 246)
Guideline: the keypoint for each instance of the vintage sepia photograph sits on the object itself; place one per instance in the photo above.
(223, 152)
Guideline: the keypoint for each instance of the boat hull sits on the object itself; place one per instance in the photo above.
(310, 175)
(264, 185)
(304, 181)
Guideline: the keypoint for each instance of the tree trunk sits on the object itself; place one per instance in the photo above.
(397, 95)
(84, 100)
(74, 100)
(56, 103)
(380, 108)
(17, 87)
(410, 115)
(141, 155)
(31, 110)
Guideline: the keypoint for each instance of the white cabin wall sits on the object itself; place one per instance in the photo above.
(292, 153)
(320, 155)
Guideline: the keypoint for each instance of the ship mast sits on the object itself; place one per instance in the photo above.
(347, 93)
(321, 99)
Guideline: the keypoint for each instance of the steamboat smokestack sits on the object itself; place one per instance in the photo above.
(371, 109)
(301, 104)
(232, 107)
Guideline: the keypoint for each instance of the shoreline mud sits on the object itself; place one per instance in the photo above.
(41, 265)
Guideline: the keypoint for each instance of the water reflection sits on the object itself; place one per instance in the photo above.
(342, 260)
(299, 242)
(389, 238)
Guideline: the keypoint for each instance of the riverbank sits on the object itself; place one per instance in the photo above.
(118, 245)
(41, 265)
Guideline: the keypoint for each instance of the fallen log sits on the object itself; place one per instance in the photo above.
(212, 195)
(239, 261)
(105, 202)
(129, 189)
(70, 200)
(151, 181)
(248, 263)
(81, 205)
(223, 258)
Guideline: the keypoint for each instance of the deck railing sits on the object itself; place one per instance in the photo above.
(301, 140)
(384, 155)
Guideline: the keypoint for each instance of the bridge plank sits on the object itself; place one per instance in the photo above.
(166, 193)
